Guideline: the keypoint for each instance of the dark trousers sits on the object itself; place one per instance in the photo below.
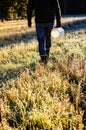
(44, 37)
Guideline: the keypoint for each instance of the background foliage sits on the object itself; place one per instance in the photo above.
(16, 9)
(13, 9)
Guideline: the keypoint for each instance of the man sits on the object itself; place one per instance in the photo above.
(45, 13)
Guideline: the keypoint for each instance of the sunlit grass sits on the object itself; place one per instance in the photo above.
(40, 100)
(33, 96)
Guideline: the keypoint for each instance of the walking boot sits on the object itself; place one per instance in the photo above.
(44, 59)
(47, 53)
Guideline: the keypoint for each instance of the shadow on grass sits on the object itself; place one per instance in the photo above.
(75, 25)
(19, 37)
(15, 73)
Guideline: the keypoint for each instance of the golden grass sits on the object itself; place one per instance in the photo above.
(13, 26)
(33, 96)
(18, 25)
(39, 100)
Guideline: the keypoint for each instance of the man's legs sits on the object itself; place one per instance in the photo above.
(48, 38)
(44, 39)
(40, 29)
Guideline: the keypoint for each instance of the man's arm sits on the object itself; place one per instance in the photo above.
(58, 13)
(29, 11)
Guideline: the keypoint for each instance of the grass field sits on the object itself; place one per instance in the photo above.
(35, 97)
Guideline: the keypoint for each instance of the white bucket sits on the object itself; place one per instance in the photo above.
(57, 32)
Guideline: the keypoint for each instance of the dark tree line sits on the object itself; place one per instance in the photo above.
(12, 9)
(16, 9)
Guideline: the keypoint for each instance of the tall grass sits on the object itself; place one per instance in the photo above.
(37, 97)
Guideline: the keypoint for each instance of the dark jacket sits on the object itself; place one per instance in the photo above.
(45, 11)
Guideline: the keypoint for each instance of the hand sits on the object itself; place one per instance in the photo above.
(58, 24)
(29, 24)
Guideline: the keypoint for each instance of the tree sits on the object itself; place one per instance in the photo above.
(19, 8)
(12, 9)
(4, 7)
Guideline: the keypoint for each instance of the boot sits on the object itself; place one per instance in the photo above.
(47, 53)
(44, 59)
